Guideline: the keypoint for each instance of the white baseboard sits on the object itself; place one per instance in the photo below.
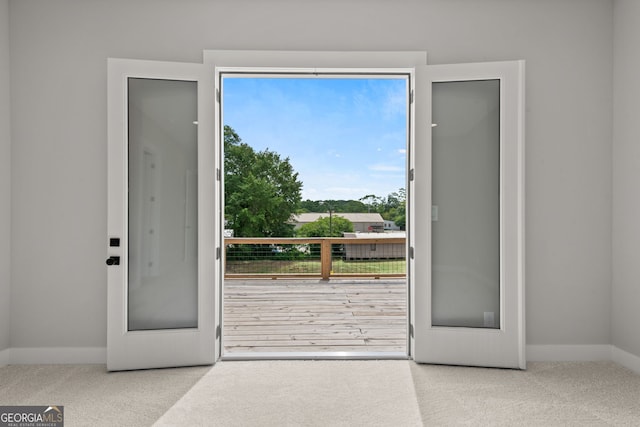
(626, 359)
(535, 353)
(568, 353)
(5, 357)
(57, 355)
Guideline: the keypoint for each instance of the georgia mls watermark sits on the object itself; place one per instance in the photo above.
(31, 416)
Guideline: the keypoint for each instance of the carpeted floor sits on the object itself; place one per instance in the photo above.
(93, 397)
(332, 393)
(300, 393)
(547, 394)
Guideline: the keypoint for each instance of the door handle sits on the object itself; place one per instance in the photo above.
(113, 260)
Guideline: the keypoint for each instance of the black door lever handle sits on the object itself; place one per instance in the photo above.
(113, 260)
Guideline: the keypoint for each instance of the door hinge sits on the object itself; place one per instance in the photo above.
(218, 253)
(410, 330)
(411, 174)
(218, 331)
(411, 252)
(411, 97)
(218, 177)
(218, 95)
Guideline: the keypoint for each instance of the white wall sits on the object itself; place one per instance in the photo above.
(626, 178)
(59, 50)
(5, 178)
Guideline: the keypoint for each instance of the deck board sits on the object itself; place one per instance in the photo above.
(315, 316)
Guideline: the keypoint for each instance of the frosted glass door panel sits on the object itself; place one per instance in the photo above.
(466, 204)
(162, 169)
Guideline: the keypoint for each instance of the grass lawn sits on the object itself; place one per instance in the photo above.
(395, 266)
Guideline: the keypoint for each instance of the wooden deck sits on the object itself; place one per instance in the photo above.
(315, 316)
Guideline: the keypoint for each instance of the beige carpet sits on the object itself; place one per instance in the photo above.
(547, 394)
(354, 393)
(93, 397)
(403, 393)
(300, 393)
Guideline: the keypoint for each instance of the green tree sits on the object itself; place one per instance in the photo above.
(343, 206)
(311, 206)
(326, 226)
(261, 190)
(399, 213)
(393, 207)
(372, 202)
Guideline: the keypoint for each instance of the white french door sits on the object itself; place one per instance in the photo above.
(163, 216)
(465, 207)
(468, 217)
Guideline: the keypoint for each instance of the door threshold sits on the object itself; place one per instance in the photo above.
(325, 355)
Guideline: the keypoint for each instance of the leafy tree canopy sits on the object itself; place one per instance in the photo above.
(344, 206)
(327, 226)
(261, 190)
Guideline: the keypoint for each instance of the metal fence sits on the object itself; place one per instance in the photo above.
(315, 257)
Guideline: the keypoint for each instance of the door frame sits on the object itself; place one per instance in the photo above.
(301, 61)
(407, 73)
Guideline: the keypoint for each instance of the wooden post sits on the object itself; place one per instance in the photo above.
(325, 258)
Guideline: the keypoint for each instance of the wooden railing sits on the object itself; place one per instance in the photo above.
(322, 257)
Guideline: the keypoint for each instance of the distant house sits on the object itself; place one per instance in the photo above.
(362, 222)
(390, 225)
(353, 251)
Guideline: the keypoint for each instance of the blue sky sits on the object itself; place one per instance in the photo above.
(345, 137)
